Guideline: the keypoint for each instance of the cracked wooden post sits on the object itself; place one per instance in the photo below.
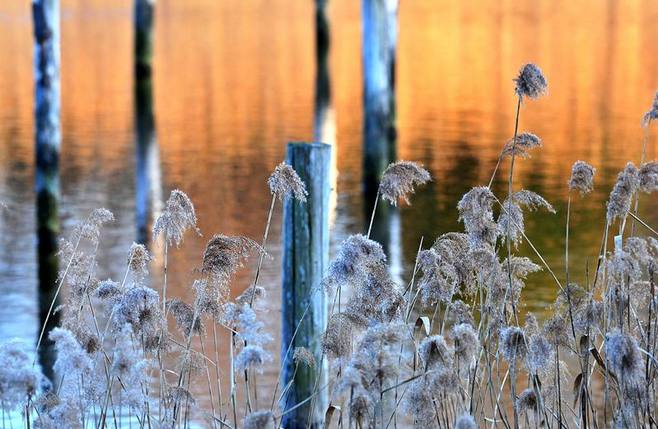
(305, 259)
(48, 136)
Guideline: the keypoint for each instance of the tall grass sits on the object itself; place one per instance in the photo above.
(447, 349)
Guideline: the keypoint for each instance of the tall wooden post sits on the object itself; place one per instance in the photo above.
(145, 144)
(379, 33)
(305, 259)
(45, 15)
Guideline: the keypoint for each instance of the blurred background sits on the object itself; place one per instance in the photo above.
(234, 81)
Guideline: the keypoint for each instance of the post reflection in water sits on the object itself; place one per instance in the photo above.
(324, 118)
(148, 190)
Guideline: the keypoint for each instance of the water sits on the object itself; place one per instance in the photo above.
(234, 81)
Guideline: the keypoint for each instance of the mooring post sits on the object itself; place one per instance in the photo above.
(145, 141)
(379, 40)
(48, 136)
(305, 258)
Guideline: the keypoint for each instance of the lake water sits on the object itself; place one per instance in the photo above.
(234, 82)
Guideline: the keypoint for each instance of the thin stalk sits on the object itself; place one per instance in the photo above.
(372, 216)
(219, 386)
(500, 158)
(262, 250)
(164, 279)
(643, 223)
(510, 190)
(232, 379)
(212, 399)
(645, 138)
(52, 303)
(566, 241)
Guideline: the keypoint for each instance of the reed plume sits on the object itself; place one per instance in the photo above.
(400, 179)
(622, 193)
(522, 145)
(582, 177)
(177, 217)
(285, 182)
(530, 82)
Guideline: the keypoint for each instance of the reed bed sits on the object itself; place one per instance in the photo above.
(449, 348)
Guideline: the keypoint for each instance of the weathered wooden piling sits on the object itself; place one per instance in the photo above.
(145, 144)
(305, 258)
(379, 33)
(45, 14)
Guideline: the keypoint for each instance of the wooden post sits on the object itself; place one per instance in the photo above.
(45, 14)
(305, 259)
(379, 34)
(145, 144)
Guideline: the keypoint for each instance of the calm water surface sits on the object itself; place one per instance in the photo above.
(234, 81)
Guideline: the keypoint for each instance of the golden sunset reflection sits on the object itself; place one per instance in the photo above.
(234, 82)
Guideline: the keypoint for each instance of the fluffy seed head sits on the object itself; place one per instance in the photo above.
(440, 278)
(627, 184)
(224, 255)
(140, 307)
(191, 362)
(522, 145)
(475, 211)
(399, 180)
(418, 403)
(71, 357)
(530, 82)
(435, 353)
(466, 342)
(556, 330)
(356, 257)
(138, 260)
(263, 419)
(184, 315)
(90, 228)
(465, 421)
(624, 356)
(251, 357)
(527, 401)
(245, 297)
(18, 377)
(513, 343)
(649, 177)
(302, 355)
(285, 182)
(361, 406)
(589, 316)
(108, 289)
(582, 177)
(177, 217)
(511, 223)
(540, 354)
(336, 341)
(460, 313)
